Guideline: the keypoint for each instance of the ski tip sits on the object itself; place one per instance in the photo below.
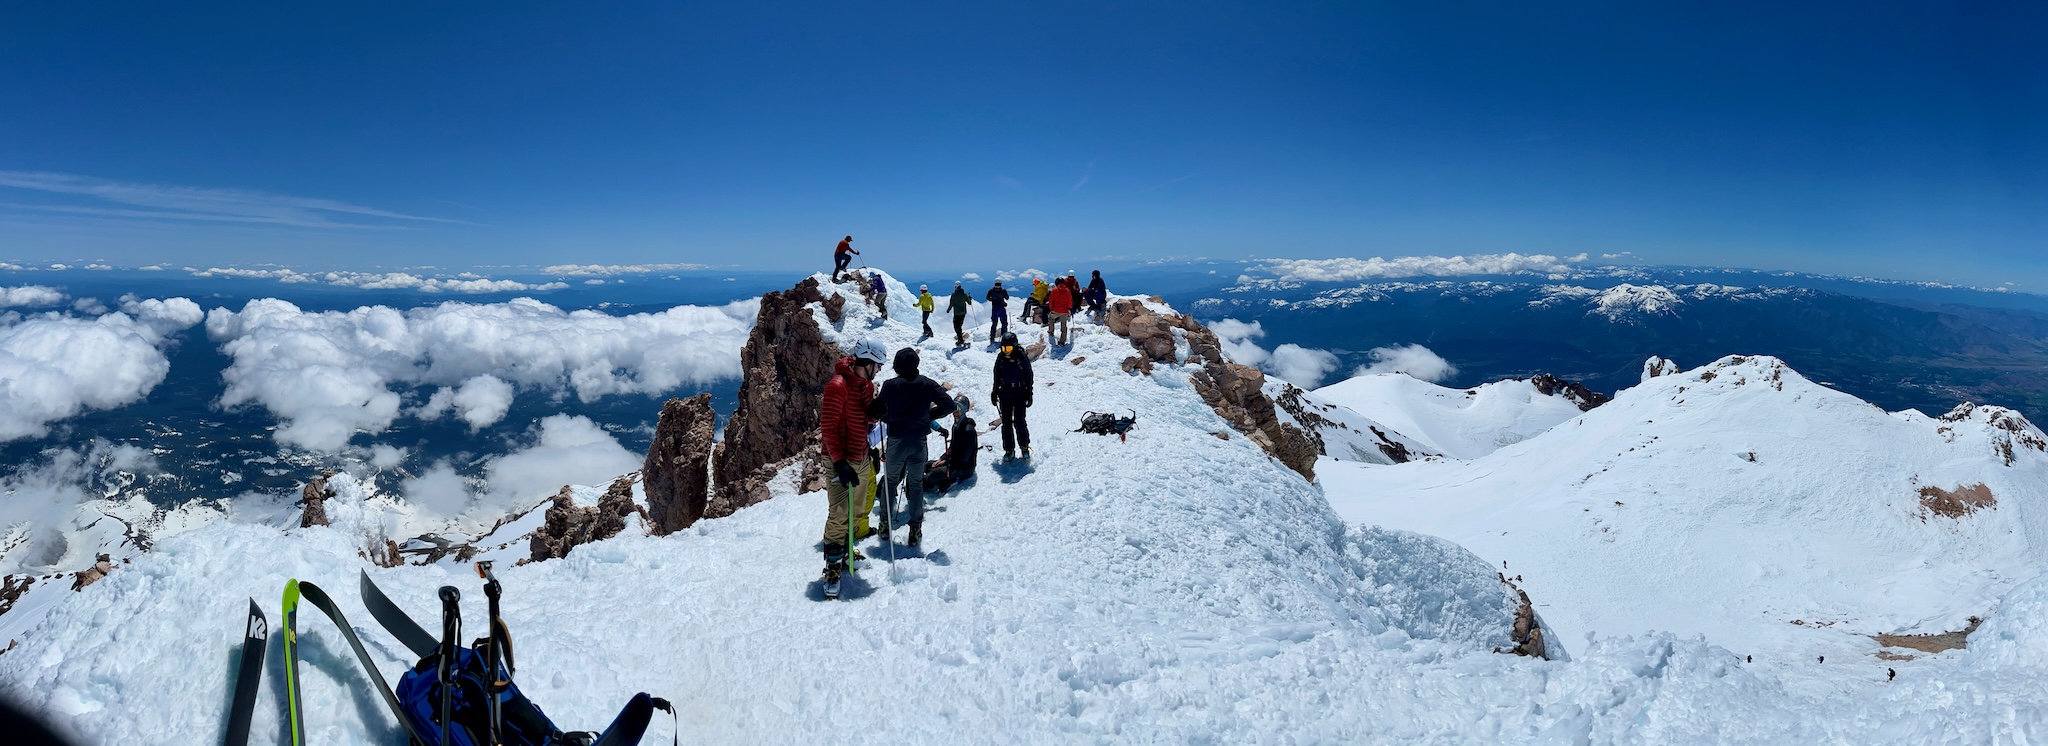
(255, 610)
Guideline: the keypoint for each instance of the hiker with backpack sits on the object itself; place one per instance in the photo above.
(842, 256)
(998, 309)
(963, 442)
(958, 304)
(881, 296)
(1061, 299)
(1098, 294)
(906, 407)
(1035, 308)
(843, 438)
(926, 304)
(1013, 396)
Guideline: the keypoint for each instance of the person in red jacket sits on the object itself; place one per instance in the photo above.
(843, 437)
(1061, 301)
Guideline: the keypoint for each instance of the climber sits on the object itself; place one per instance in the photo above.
(1039, 290)
(998, 309)
(926, 304)
(963, 442)
(1098, 294)
(958, 304)
(842, 256)
(881, 296)
(1061, 300)
(1013, 396)
(906, 406)
(843, 437)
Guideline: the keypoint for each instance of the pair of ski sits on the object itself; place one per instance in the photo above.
(256, 637)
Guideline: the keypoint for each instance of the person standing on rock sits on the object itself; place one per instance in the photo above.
(907, 406)
(881, 296)
(926, 304)
(842, 256)
(958, 304)
(998, 309)
(843, 438)
(1061, 299)
(1013, 396)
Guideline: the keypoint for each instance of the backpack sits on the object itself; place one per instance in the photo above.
(1098, 423)
(521, 722)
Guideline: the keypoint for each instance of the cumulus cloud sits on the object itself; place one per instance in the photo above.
(572, 450)
(384, 457)
(30, 296)
(1300, 365)
(465, 282)
(1012, 276)
(1351, 269)
(1415, 360)
(1293, 363)
(438, 490)
(971, 276)
(328, 375)
(481, 401)
(54, 366)
(587, 270)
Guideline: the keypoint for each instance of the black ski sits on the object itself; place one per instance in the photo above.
(255, 637)
(395, 621)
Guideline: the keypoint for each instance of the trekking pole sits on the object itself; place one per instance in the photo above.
(451, 626)
(500, 657)
(889, 516)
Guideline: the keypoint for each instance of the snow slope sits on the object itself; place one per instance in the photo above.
(1741, 501)
(1175, 588)
(1460, 423)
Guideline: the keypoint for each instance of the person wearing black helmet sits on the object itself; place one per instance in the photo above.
(998, 309)
(1013, 396)
(906, 406)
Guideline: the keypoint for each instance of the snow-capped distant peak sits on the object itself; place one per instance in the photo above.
(1623, 301)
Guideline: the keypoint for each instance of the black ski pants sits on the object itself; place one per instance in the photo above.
(1015, 430)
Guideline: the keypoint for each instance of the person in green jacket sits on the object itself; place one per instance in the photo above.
(958, 305)
(926, 304)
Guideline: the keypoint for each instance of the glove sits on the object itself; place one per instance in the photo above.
(995, 399)
(845, 473)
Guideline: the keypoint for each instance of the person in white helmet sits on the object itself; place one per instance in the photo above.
(843, 437)
(926, 304)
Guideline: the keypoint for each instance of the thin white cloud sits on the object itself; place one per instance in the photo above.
(1086, 174)
(328, 375)
(54, 366)
(467, 283)
(175, 202)
(1414, 360)
(590, 270)
(1352, 269)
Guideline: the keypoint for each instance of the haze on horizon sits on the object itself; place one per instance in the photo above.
(1895, 140)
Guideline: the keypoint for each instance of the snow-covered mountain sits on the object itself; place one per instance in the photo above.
(1182, 585)
(1460, 423)
(1742, 501)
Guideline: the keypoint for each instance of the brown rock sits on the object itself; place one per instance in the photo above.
(785, 365)
(676, 477)
(1138, 364)
(11, 589)
(570, 526)
(1527, 634)
(91, 575)
(315, 495)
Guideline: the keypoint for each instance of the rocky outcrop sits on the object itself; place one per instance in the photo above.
(315, 495)
(570, 525)
(785, 365)
(1235, 391)
(88, 576)
(1572, 391)
(676, 476)
(1658, 366)
(1527, 634)
(2013, 432)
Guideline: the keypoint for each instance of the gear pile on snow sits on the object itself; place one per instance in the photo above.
(1098, 423)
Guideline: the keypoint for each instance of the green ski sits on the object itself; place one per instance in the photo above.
(293, 712)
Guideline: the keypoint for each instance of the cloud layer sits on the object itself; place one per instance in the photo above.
(463, 283)
(1415, 360)
(1295, 364)
(328, 375)
(1352, 270)
(54, 366)
(30, 296)
(570, 450)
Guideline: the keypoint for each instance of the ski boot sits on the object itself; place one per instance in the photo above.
(1027, 453)
(916, 534)
(833, 572)
(1009, 456)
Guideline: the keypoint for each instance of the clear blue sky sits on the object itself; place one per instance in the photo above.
(1901, 141)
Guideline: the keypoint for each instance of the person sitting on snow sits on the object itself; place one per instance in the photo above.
(963, 442)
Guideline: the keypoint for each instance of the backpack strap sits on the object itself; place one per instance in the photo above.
(312, 594)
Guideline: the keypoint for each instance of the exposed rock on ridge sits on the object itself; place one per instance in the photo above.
(785, 364)
(1574, 392)
(570, 525)
(315, 495)
(676, 476)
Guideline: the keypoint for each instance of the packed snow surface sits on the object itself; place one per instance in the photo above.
(1460, 423)
(1172, 588)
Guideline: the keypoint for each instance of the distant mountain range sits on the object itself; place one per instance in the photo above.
(1898, 345)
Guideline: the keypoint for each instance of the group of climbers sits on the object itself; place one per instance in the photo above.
(855, 418)
(1049, 304)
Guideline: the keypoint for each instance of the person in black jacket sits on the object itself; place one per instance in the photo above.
(1013, 396)
(998, 309)
(1098, 294)
(906, 407)
(963, 443)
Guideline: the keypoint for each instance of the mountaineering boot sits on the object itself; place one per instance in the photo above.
(916, 534)
(1027, 453)
(1009, 456)
(831, 578)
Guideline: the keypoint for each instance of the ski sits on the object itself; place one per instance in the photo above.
(394, 620)
(294, 714)
(255, 636)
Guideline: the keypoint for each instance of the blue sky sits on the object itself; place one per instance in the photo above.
(1883, 139)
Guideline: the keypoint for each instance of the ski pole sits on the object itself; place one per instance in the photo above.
(451, 627)
(889, 515)
(499, 659)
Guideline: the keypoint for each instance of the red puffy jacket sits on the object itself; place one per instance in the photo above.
(1061, 300)
(843, 415)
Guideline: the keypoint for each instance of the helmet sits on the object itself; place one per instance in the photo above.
(924, 287)
(961, 403)
(1009, 339)
(868, 350)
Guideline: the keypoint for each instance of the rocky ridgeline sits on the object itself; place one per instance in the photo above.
(676, 478)
(785, 365)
